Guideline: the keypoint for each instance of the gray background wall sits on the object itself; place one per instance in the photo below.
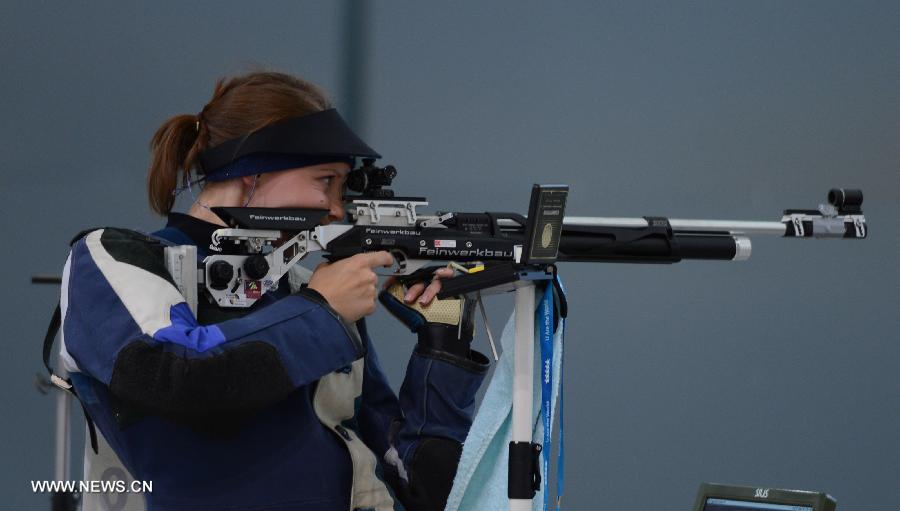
(779, 371)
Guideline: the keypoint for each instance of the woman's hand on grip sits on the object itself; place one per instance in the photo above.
(350, 285)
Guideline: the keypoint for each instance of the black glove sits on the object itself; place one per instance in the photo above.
(444, 327)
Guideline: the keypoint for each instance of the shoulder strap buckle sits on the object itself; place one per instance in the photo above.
(61, 383)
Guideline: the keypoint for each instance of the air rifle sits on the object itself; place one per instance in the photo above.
(261, 244)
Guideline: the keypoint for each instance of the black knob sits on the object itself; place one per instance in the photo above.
(256, 267)
(841, 197)
(220, 275)
(370, 180)
(848, 201)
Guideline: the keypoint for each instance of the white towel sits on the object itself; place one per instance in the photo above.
(481, 478)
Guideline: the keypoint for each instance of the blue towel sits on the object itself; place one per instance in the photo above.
(481, 478)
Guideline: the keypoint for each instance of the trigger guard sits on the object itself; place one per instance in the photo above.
(398, 266)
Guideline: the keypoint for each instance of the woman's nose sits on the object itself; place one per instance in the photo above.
(336, 211)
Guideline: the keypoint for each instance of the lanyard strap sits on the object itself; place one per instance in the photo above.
(560, 471)
(546, 341)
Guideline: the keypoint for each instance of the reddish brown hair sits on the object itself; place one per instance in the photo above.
(239, 105)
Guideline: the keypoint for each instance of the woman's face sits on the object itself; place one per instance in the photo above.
(315, 187)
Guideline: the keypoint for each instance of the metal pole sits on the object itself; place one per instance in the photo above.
(63, 500)
(63, 409)
(523, 377)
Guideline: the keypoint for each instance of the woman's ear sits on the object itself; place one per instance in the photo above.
(248, 181)
(251, 183)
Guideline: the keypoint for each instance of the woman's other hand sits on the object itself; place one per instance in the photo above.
(424, 294)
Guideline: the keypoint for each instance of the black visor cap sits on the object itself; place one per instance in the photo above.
(319, 134)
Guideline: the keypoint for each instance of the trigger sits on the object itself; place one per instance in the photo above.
(398, 266)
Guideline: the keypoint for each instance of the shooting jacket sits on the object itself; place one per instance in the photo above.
(280, 406)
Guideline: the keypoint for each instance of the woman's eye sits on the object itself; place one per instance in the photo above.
(327, 180)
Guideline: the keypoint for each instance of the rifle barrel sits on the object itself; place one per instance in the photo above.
(685, 225)
(678, 224)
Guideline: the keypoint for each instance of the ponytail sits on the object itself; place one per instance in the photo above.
(173, 150)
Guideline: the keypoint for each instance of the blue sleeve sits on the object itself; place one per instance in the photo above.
(437, 399)
(127, 325)
(379, 409)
